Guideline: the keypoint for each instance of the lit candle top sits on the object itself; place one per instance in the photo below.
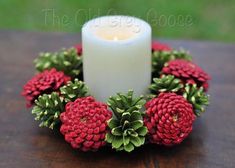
(116, 28)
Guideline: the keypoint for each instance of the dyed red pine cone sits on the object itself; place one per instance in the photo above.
(156, 46)
(169, 119)
(44, 82)
(188, 72)
(84, 123)
(79, 49)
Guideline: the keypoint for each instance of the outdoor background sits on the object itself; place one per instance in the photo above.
(174, 19)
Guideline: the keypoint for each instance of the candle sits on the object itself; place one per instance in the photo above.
(116, 55)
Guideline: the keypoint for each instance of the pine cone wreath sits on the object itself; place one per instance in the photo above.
(127, 130)
(169, 119)
(188, 72)
(44, 82)
(84, 123)
(157, 46)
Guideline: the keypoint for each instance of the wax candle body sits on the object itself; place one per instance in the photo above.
(116, 55)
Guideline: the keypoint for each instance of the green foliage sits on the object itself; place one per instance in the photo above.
(65, 60)
(167, 83)
(126, 127)
(200, 20)
(159, 58)
(197, 97)
(73, 90)
(47, 109)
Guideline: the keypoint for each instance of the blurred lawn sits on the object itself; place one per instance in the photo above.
(188, 19)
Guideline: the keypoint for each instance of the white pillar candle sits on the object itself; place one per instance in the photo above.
(116, 55)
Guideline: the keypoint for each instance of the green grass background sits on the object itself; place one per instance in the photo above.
(185, 19)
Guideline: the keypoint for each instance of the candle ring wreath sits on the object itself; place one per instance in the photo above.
(165, 116)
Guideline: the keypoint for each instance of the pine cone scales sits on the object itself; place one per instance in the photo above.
(157, 46)
(47, 109)
(127, 133)
(197, 97)
(187, 71)
(74, 90)
(45, 82)
(160, 58)
(167, 83)
(169, 119)
(66, 60)
(79, 49)
(84, 123)
(127, 130)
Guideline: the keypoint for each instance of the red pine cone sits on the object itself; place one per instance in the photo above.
(79, 49)
(84, 123)
(188, 72)
(44, 82)
(169, 119)
(156, 46)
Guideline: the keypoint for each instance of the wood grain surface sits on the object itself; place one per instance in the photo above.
(24, 144)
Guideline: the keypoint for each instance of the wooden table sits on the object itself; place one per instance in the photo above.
(23, 144)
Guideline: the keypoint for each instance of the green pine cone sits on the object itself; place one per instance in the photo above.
(125, 102)
(66, 60)
(159, 58)
(73, 90)
(167, 83)
(127, 130)
(197, 97)
(47, 109)
(44, 61)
